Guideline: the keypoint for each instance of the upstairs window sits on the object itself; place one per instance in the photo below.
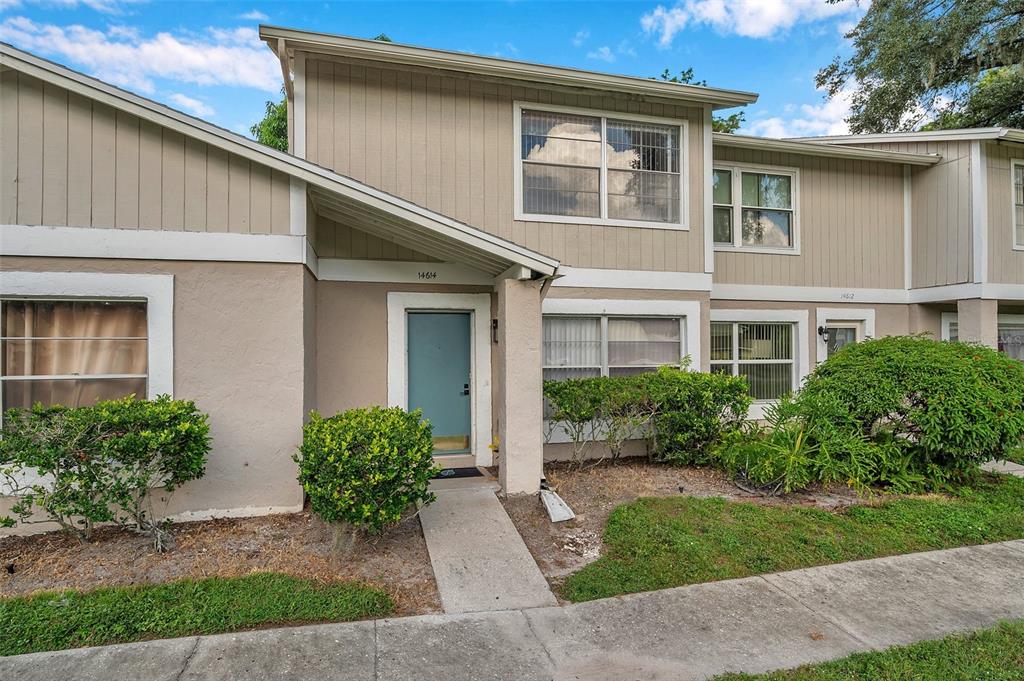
(586, 168)
(72, 353)
(754, 208)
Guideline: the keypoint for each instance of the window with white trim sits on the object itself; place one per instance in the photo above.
(595, 169)
(72, 352)
(1018, 203)
(761, 352)
(587, 346)
(754, 207)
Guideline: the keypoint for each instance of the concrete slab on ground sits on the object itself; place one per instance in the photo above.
(754, 625)
(1005, 467)
(479, 559)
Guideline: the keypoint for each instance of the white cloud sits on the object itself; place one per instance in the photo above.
(828, 118)
(191, 105)
(580, 37)
(121, 55)
(603, 53)
(748, 18)
(104, 6)
(253, 15)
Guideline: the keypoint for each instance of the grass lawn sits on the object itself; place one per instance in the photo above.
(658, 543)
(71, 619)
(995, 654)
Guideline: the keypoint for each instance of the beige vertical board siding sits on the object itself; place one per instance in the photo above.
(336, 240)
(1005, 265)
(446, 142)
(30, 151)
(126, 181)
(941, 213)
(55, 155)
(8, 146)
(850, 216)
(70, 161)
(104, 164)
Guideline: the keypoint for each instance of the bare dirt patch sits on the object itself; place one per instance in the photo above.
(561, 549)
(296, 544)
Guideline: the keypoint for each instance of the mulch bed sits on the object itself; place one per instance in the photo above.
(295, 544)
(561, 549)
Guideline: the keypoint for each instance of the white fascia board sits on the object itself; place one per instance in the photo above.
(340, 269)
(963, 134)
(156, 289)
(586, 277)
(812, 148)
(272, 158)
(807, 294)
(145, 244)
(410, 55)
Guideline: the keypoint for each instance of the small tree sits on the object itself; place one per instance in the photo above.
(363, 468)
(84, 466)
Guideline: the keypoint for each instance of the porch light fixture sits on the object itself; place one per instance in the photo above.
(823, 332)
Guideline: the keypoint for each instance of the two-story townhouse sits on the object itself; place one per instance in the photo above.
(448, 230)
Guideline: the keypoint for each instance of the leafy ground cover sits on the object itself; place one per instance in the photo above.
(995, 654)
(72, 619)
(659, 543)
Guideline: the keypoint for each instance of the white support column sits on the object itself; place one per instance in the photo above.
(520, 413)
(978, 321)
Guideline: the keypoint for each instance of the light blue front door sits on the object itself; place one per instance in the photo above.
(439, 380)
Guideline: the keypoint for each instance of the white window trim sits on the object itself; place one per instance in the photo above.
(479, 307)
(157, 290)
(801, 359)
(949, 318)
(1014, 164)
(863, 318)
(517, 174)
(737, 208)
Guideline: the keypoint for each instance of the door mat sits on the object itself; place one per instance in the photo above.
(449, 473)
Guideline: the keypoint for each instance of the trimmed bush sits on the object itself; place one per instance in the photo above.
(684, 413)
(83, 466)
(902, 412)
(364, 467)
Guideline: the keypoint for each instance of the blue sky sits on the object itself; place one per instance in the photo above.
(205, 58)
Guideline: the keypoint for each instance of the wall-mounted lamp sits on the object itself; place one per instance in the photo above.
(823, 332)
(494, 331)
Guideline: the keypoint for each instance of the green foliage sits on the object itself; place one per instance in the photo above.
(692, 411)
(99, 463)
(658, 543)
(364, 467)
(915, 60)
(729, 124)
(71, 619)
(904, 413)
(683, 412)
(272, 129)
(992, 654)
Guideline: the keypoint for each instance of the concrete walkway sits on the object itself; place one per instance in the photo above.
(1007, 467)
(479, 559)
(753, 625)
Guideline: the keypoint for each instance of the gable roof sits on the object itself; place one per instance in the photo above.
(812, 148)
(384, 214)
(1008, 134)
(278, 38)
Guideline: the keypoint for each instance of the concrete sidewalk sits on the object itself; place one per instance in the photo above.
(753, 625)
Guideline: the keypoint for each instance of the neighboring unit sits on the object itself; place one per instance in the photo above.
(447, 231)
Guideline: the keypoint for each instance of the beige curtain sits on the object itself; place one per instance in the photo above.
(73, 338)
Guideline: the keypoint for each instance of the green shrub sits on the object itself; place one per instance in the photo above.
(904, 413)
(98, 464)
(684, 413)
(692, 410)
(364, 467)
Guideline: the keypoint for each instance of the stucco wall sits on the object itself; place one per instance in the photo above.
(239, 353)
